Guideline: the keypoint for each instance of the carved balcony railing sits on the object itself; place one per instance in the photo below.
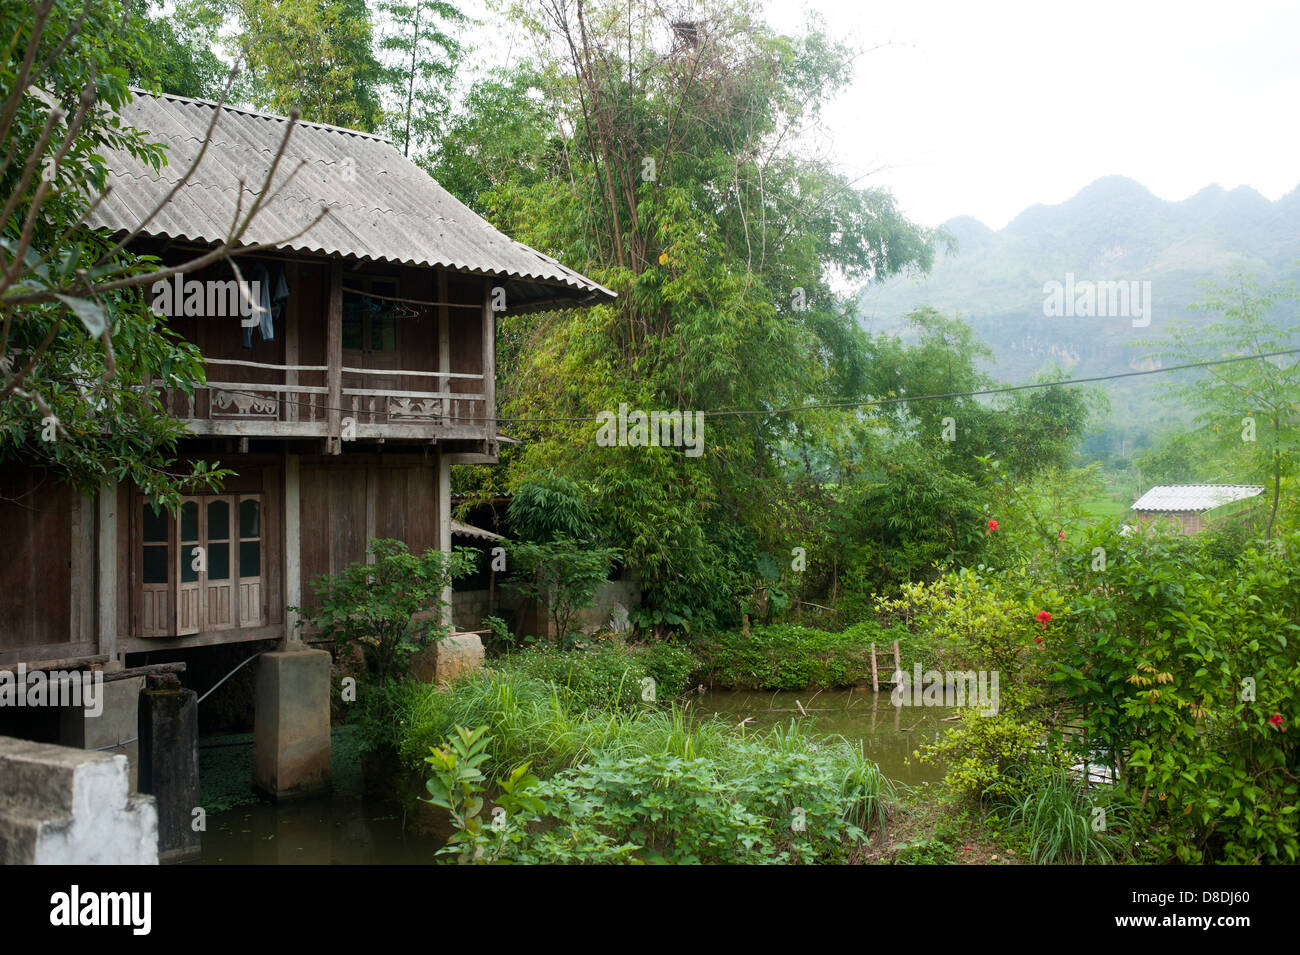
(367, 403)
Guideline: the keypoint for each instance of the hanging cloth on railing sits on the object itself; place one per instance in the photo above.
(272, 290)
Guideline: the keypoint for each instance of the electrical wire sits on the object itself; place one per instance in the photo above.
(825, 406)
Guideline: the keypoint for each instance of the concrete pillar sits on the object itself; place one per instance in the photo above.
(291, 731)
(114, 730)
(169, 763)
(63, 806)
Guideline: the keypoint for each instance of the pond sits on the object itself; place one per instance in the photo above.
(343, 829)
(346, 828)
(889, 735)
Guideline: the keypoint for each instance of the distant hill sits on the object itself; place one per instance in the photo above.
(1113, 229)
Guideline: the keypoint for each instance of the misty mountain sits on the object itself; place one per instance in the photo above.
(1113, 230)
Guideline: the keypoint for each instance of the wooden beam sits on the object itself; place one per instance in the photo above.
(372, 490)
(60, 664)
(292, 546)
(106, 574)
(82, 590)
(489, 365)
(444, 339)
(205, 638)
(334, 357)
(444, 526)
(291, 339)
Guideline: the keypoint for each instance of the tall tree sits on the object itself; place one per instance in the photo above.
(421, 54)
(1250, 408)
(670, 168)
(82, 355)
(172, 59)
(316, 56)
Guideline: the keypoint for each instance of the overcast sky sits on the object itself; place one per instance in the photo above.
(984, 108)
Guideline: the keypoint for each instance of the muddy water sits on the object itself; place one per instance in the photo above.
(889, 734)
(341, 830)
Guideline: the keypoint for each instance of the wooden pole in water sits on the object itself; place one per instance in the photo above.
(875, 680)
(898, 666)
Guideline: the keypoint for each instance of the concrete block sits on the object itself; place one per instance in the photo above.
(62, 806)
(117, 723)
(453, 658)
(291, 730)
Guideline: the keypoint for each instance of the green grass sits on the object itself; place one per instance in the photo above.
(1056, 819)
(1105, 508)
(770, 773)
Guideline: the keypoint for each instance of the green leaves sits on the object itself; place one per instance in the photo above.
(374, 606)
(90, 312)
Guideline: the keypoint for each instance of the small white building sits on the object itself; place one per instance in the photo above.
(1188, 504)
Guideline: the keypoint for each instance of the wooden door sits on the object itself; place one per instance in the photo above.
(370, 341)
(189, 559)
(248, 559)
(218, 584)
(156, 530)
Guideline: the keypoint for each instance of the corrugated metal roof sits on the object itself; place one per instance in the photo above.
(468, 530)
(1194, 497)
(381, 205)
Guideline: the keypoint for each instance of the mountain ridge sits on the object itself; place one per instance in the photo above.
(1113, 229)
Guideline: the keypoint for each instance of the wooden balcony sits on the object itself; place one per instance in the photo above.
(255, 399)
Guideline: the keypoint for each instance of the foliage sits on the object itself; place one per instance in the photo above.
(607, 675)
(1056, 815)
(457, 786)
(1181, 653)
(1251, 408)
(648, 786)
(172, 62)
(921, 515)
(389, 608)
(562, 576)
(78, 344)
(787, 657)
(721, 255)
(549, 506)
(313, 56)
(1172, 658)
(422, 55)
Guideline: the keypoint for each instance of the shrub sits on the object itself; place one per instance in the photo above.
(651, 787)
(390, 608)
(1055, 816)
(785, 657)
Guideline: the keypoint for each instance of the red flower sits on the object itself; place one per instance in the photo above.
(1043, 617)
(1276, 720)
(993, 525)
(1061, 535)
(1038, 639)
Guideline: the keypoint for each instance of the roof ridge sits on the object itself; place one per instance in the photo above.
(260, 114)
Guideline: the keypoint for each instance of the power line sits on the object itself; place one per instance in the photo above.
(828, 406)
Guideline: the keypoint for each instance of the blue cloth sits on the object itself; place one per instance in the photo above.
(273, 294)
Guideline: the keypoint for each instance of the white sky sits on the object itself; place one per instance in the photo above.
(984, 107)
